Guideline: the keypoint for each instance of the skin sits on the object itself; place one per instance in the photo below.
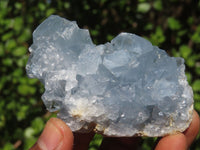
(58, 136)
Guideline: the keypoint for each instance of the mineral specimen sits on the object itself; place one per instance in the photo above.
(123, 88)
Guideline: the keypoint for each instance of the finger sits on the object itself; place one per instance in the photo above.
(82, 140)
(193, 129)
(55, 136)
(173, 142)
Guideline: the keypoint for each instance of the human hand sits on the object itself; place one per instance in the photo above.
(58, 136)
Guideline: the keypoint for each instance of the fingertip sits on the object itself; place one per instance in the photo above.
(193, 129)
(66, 132)
(172, 142)
(56, 135)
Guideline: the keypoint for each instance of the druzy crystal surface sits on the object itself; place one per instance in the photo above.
(125, 87)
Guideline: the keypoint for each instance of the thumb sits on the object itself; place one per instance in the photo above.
(55, 136)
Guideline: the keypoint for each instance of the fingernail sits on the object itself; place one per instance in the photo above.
(51, 137)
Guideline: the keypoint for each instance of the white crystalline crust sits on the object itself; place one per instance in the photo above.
(123, 88)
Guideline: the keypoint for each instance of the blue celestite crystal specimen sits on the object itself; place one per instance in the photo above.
(123, 88)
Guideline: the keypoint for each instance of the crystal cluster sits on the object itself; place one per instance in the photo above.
(125, 87)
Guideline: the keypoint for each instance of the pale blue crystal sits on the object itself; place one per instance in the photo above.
(123, 88)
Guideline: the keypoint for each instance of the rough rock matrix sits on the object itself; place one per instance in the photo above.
(125, 87)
